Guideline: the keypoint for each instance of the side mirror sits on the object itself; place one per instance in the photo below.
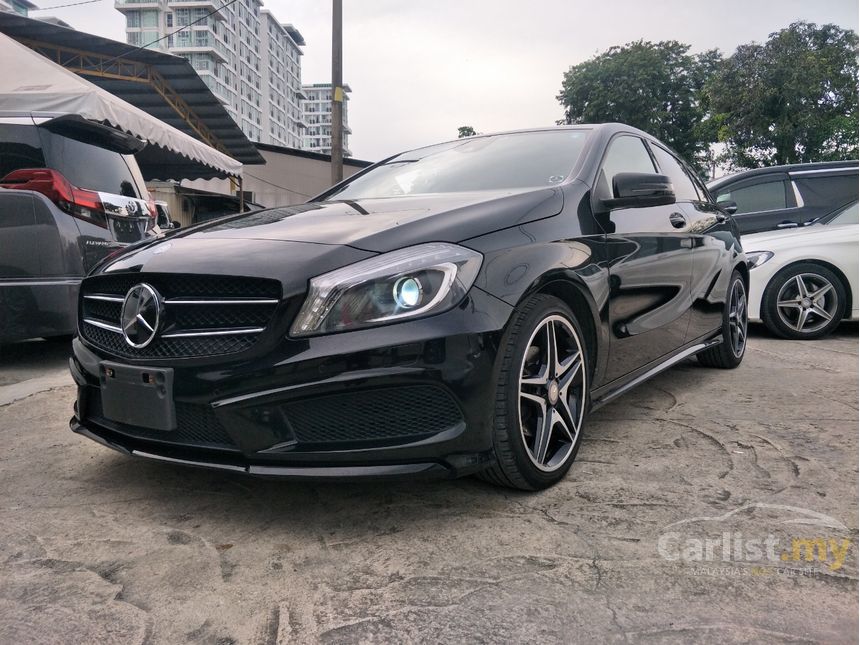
(729, 206)
(639, 190)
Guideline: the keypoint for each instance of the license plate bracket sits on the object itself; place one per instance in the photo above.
(138, 396)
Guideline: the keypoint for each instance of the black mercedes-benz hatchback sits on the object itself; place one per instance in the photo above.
(451, 310)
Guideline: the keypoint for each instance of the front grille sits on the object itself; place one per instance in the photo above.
(196, 425)
(203, 315)
(407, 413)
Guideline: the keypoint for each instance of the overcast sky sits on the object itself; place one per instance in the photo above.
(419, 69)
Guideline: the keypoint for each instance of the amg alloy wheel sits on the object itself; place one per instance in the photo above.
(541, 396)
(729, 353)
(803, 301)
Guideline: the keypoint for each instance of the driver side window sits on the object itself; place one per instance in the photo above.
(624, 154)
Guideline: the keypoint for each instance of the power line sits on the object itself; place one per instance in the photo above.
(165, 36)
(63, 6)
(291, 190)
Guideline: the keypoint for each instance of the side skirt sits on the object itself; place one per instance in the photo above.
(607, 393)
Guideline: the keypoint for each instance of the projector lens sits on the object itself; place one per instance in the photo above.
(407, 292)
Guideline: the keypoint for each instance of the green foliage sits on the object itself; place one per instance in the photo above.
(465, 131)
(656, 87)
(790, 100)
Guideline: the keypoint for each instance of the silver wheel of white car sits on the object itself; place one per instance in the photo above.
(803, 301)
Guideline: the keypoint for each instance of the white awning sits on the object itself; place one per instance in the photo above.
(32, 83)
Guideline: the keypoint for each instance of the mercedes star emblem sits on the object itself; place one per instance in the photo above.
(141, 315)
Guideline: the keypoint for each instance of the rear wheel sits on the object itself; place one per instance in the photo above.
(730, 353)
(803, 301)
(541, 394)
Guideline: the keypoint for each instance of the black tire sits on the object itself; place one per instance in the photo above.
(729, 353)
(814, 323)
(515, 464)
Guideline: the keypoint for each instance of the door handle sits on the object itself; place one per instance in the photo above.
(677, 220)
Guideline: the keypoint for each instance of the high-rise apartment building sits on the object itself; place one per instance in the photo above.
(280, 47)
(317, 110)
(240, 51)
(21, 7)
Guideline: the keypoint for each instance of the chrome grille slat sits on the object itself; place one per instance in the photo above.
(102, 325)
(203, 315)
(214, 332)
(104, 298)
(232, 301)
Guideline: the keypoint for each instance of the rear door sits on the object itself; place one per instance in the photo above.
(820, 193)
(764, 202)
(650, 266)
(712, 244)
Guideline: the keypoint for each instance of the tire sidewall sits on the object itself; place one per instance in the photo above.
(771, 316)
(536, 478)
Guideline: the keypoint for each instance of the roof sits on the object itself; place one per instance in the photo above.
(178, 76)
(324, 86)
(58, 96)
(307, 154)
(294, 33)
(791, 169)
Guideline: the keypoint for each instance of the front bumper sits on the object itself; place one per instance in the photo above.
(407, 400)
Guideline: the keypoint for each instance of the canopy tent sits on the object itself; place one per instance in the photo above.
(32, 83)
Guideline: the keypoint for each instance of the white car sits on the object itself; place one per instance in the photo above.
(803, 281)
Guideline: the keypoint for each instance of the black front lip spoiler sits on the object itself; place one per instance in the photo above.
(411, 471)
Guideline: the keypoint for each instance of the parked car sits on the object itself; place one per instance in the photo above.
(162, 217)
(803, 281)
(786, 196)
(70, 193)
(450, 310)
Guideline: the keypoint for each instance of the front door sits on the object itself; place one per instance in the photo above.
(650, 266)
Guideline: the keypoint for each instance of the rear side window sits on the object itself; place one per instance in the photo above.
(87, 166)
(685, 190)
(826, 191)
(767, 196)
(19, 148)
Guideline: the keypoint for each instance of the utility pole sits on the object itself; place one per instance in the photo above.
(336, 91)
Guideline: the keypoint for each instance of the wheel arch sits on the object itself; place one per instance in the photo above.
(846, 285)
(577, 296)
(743, 269)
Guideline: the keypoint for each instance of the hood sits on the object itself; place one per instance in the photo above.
(292, 263)
(770, 240)
(386, 224)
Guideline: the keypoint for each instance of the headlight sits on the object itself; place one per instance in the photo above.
(757, 258)
(408, 283)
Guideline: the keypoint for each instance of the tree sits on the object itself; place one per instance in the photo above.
(656, 87)
(465, 131)
(790, 100)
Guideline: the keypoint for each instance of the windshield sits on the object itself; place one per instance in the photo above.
(500, 162)
(848, 215)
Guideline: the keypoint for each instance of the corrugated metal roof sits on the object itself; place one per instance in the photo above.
(175, 70)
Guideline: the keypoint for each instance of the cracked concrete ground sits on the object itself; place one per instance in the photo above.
(95, 547)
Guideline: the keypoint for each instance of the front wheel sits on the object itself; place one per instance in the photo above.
(729, 353)
(541, 395)
(803, 301)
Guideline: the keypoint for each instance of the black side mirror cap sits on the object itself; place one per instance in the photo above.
(729, 206)
(640, 190)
